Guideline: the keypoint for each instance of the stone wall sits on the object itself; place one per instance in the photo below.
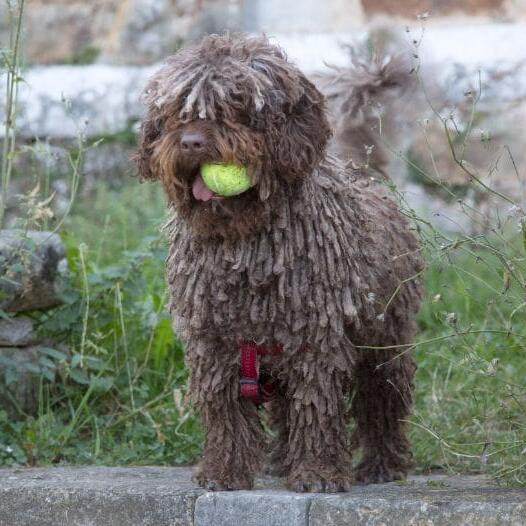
(116, 31)
(32, 273)
(125, 38)
(411, 8)
(144, 31)
(309, 16)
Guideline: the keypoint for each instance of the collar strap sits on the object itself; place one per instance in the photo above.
(256, 387)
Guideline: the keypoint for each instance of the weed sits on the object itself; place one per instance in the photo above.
(112, 386)
(86, 55)
(11, 62)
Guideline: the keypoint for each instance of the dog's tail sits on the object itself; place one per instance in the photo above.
(365, 101)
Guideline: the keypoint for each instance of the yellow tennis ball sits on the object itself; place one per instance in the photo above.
(226, 180)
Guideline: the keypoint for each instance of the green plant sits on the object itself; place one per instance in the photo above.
(111, 379)
(417, 174)
(127, 136)
(84, 56)
(469, 414)
(113, 387)
(11, 63)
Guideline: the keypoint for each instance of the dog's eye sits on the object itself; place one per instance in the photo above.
(244, 119)
(258, 125)
(252, 121)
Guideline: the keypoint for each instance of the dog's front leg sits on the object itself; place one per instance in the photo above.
(318, 458)
(233, 434)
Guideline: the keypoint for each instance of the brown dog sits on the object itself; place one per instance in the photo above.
(283, 286)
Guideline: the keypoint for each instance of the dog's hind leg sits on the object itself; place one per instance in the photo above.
(382, 400)
(233, 451)
(318, 456)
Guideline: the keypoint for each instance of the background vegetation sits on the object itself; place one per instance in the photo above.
(112, 382)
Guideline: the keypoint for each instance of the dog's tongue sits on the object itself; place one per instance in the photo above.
(200, 190)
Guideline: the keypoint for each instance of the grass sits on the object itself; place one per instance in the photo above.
(471, 395)
(121, 394)
(113, 221)
(111, 388)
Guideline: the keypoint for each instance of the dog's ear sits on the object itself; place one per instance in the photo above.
(150, 131)
(299, 142)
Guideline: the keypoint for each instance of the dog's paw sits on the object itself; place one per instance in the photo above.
(215, 483)
(377, 471)
(310, 482)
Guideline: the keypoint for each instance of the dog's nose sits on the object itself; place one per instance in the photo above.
(193, 142)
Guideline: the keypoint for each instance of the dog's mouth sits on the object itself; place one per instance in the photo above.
(200, 185)
(200, 191)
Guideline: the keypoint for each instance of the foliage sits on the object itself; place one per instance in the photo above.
(10, 61)
(471, 393)
(85, 55)
(111, 381)
(469, 414)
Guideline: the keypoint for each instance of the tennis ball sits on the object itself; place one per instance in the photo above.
(226, 180)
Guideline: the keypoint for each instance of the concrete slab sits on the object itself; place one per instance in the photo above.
(437, 501)
(89, 496)
(97, 496)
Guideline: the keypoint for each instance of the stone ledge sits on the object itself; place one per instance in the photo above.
(104, 99)
(87, 496)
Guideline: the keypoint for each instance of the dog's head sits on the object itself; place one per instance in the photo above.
(233, 99)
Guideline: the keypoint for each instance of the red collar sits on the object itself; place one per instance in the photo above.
(260, 388)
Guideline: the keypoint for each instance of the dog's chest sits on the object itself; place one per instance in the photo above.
(291, 285)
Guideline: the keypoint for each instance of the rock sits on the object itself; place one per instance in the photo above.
(218, 16)
(143, 496)
(276, 16)
(97, 496)
(115, 31)
(252, 508)
(22, 371)
(81, 26)
(145, 31)
(102, 99)
(111, 161)
(491, 153)
(437, 500)
(89, 100)
(31, 269)
(16, 332)
(411, 8)
(18, 385)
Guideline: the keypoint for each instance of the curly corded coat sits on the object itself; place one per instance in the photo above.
(311, 258)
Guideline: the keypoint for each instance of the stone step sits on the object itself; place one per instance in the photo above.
(89, 496)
